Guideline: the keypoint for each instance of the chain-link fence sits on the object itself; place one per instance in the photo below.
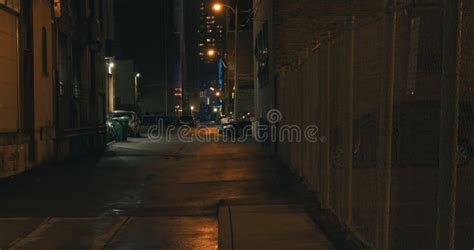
(373, 86)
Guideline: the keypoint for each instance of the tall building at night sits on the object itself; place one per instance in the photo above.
(199, 30)
(187, 67)
(210, 33)
(211, 49)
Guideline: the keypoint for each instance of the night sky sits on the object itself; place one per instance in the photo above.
(143, 27)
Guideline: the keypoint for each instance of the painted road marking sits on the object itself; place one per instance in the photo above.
(34, 235)
(102, 241)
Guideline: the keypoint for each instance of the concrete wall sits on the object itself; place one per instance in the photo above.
(43, 94)
(125, 73)
(264, 92)
(153, 99)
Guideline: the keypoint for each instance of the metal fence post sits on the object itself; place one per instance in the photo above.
(326, 154)
(348, 120)
(384, 154)
(447, 179)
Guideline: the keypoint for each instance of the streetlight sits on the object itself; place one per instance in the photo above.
(136, 87)
(211, 52)
(218, 7)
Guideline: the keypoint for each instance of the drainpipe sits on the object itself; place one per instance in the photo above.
(348, 93)
(446, 207)
(384, 154)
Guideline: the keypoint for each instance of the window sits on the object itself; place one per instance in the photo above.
(62, 63)
(44, 40)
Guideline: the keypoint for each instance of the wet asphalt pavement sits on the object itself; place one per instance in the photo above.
(138, 195)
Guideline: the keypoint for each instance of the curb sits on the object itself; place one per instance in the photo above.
(110, 143)
(225, 239)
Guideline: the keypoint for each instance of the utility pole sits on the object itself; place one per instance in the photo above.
(166, 55)
(384, 157)
(236, 39)
(447, 179)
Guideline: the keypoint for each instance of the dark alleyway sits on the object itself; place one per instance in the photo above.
(139, 195)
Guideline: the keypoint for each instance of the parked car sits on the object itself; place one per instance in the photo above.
(236, 127)
(134, 122)
(187, 120)
(225, 119)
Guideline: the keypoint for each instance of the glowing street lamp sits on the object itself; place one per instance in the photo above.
(136, 86)
(217, 7)
(211, 52)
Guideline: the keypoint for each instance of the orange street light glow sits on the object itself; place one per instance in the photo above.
(211, 52)
(217, 7)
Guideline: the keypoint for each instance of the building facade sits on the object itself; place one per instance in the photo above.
(187, 15)
(26, 103)
(126, 80)
(53, 88)
(83, 34)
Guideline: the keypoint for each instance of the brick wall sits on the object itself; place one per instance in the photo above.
(300, 24)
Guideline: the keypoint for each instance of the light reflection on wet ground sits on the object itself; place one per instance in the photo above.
(138, 195)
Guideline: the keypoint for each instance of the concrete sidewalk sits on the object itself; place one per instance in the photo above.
(269, 227)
